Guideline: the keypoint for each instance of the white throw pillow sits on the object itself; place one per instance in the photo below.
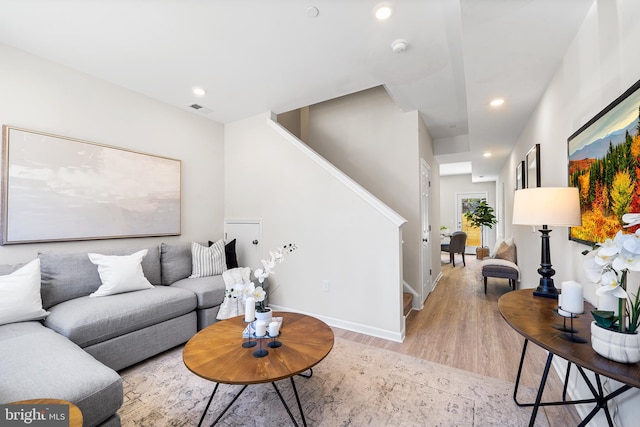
(120, 273)
(207, 261)
(20, 295)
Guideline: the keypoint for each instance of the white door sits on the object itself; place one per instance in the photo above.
(248, 235)
(425, 207)
(464, 201)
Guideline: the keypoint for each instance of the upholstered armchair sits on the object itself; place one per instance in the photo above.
(455, 246)
(502, 264)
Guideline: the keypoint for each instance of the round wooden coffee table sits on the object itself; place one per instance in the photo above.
(216, 354)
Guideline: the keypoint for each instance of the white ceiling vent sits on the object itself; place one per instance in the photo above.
(201, 109)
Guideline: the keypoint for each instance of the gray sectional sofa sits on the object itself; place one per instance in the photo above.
(74, 353)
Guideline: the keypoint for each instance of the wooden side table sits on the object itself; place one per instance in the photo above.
(533, 318)
(216, 354)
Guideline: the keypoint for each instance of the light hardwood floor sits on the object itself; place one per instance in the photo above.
(461, 327)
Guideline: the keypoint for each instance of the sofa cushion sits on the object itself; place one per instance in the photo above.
(207, 261)
(175, 261)
(66, 276)
(38, 363)
(209, 290)
(87, 321)
(230, 253)
(506, 251)
(20, 295)
(120, 273)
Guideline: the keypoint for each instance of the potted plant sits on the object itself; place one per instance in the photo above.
(616, 336)
(481, 215)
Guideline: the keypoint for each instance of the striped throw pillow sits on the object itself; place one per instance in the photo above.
(207, 261)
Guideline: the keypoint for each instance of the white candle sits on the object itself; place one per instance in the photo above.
(250, 309)
(261, 328)
(274, 328)
(572, 299)
(561, 312)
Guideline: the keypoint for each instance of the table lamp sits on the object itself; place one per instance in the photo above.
(546, 206)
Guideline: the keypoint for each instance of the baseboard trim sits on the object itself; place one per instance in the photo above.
(351, 326)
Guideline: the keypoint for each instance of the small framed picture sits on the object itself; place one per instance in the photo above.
(533, 167)
(520, 175)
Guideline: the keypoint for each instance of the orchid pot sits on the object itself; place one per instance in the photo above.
(265, 314)
(614, 345)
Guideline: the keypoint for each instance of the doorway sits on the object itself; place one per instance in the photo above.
(425, 207)
(464, 202)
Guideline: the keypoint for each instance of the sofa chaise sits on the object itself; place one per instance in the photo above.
(74, 352)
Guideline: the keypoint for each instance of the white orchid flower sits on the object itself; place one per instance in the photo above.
(269, 266)
(277, 256)
(610, 286)
(260, 274)
(248, 290)
(626, 261)
(593, 269)
(631, 219)
(632, 243)
(259, 294)
(607, 252)
(237, 289)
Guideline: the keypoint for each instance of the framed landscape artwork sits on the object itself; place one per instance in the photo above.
(533, 167)
(604, 164)
(56, 188)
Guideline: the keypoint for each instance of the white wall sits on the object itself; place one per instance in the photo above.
(39, 95)
(599, 66)
(374, 142)
(340, 237)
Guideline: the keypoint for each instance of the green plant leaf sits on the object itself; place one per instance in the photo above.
(604, 319)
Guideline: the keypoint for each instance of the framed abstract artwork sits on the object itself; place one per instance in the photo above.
(520, 176)
(533, 167)
(604, 164)
(56, 188)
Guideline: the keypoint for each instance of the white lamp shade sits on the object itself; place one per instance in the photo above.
(547, 206)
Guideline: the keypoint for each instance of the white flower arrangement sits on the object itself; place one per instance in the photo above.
(276, 257)
(242, 291)
(609, 267)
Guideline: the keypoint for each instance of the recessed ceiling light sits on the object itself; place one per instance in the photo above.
(383, 11)
(198, 91)
(487, 154)
(497, 102)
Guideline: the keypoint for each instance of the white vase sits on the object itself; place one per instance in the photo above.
(265, 316)
(616, 346)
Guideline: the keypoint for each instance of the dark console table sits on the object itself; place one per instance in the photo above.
(533, 318)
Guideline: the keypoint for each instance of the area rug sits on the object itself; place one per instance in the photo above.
(356, 385)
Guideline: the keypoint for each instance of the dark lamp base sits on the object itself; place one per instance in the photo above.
(547, 293)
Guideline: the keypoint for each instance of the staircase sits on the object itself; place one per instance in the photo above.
(407, 300)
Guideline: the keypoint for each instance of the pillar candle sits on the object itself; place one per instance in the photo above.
(572, 299)
(274, 328)
(250, 309)
(261, 328)
(561, 312)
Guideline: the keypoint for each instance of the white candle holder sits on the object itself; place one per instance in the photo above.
(261, 352)
(250, 328)
(568, 331)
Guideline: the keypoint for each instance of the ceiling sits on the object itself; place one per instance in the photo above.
(253, 56)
